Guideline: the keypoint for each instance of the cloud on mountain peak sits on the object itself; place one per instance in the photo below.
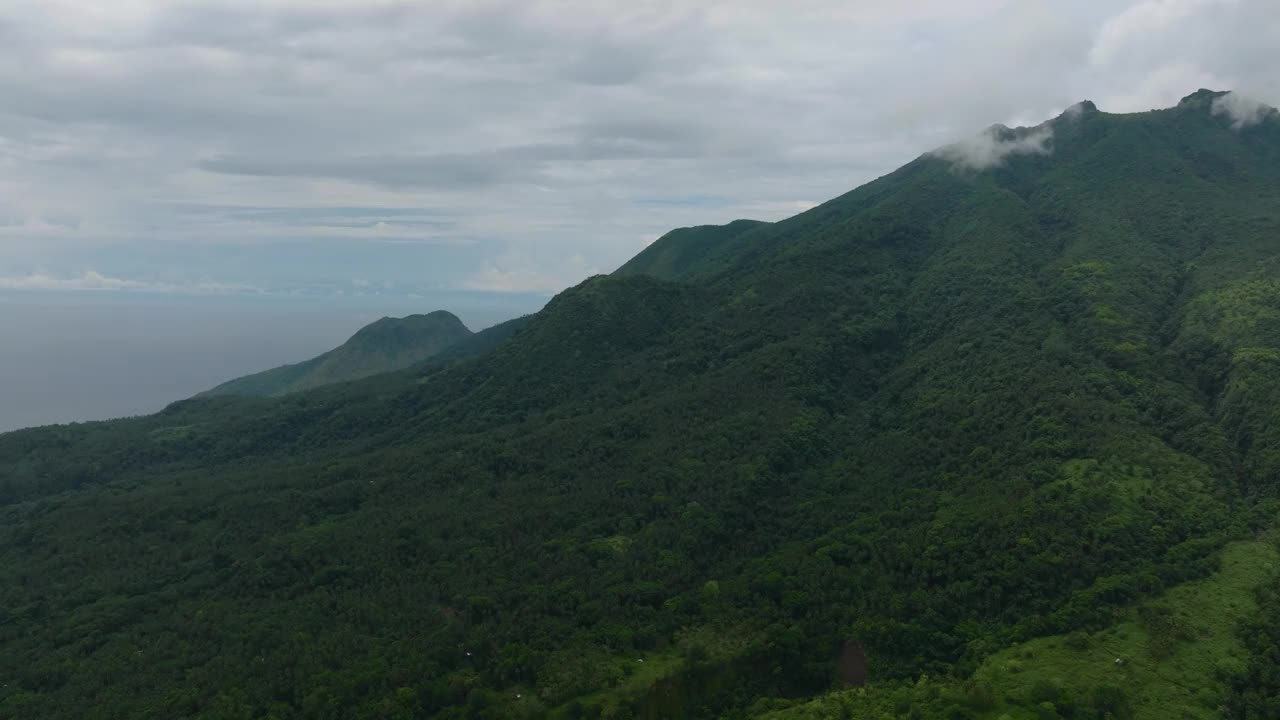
(993, 146)
(1243, 110)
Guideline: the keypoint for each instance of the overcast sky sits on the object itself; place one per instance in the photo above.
(356, 146)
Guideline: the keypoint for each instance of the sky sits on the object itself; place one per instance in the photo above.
(343, 149)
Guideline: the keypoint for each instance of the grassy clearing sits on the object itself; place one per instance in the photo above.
(637, 675)
(642, 674)
(1171, 651)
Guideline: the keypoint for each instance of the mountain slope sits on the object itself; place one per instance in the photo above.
(686, 251)
(965, 406)
(383, 346)
(482, 342)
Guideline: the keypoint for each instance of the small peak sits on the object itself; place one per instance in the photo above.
(1084, 107)
(1201, 98)
(443, 315)
(1000, 132)
(1080, 108)
(437, 320)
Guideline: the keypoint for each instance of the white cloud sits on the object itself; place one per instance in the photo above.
(514, 274)
(493, 279)
(539, 127)
(94, 280)
(993, 146)
(1164, 86)
(1073, 112)
(1243, 110)
(1130, 30)
(1152, 53)
(90, 280)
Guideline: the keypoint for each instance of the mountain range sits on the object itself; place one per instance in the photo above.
(994, 435)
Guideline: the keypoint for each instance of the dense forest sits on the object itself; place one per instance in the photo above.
(974, 440)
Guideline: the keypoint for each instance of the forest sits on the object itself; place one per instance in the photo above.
(961, 443)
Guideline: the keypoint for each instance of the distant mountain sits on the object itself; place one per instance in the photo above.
(687, 251)
(482, 342)
(382, 346)
(994, 435)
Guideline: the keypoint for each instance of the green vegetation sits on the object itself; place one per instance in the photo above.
(383, 346)
(1165, 658)
(1174, 652)
(687, 251)
(944, 419)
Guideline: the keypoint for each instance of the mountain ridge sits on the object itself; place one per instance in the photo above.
(385, 345)
(678, 253)
(954, 413)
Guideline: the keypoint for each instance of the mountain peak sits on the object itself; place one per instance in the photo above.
(689, 250)
(1080, 108)
(443, 315)
(385, 345)
(439, 319)
(1201, 98)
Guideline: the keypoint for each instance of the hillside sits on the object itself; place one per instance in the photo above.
(383, 346)
(686, 251)
(948, 439)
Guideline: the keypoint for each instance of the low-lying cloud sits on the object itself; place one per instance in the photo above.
(90, 280)
(94, 280)
(1242, 110)
(994, 145)
(514, 274)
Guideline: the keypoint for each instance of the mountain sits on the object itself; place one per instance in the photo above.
(686, 251)
(482, 342)
(382, 346)
(996, 434)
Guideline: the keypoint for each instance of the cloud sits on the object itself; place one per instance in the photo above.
(464, 171)
(484, 142)
(493, 279)
(514, 274)
(994, 145)
(1153, 90)
(1074, 112)
(459, 171)
(90, 280)
(94, 280)
(1242, 110)
(1156, 51)
(1127, 32)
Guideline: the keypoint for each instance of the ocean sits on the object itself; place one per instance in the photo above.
(73, 357)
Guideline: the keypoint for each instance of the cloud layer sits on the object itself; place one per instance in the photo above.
(1242, 110)
(90, 280)
(94, 280)
(516, 145)
(990, 148)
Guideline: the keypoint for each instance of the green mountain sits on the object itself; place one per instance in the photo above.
(995, 435)
(687, 251)
(383, 346)
(481, 342)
